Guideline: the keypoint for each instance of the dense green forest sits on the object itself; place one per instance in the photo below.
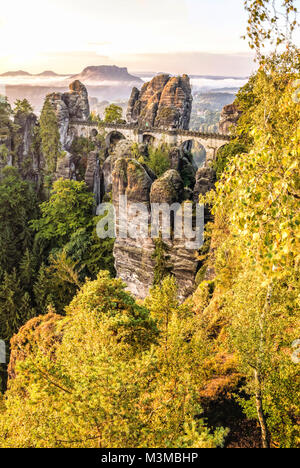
(91, 366)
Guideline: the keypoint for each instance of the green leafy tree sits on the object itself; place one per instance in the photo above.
(82, 146)
(5, 122)
(56, 284)
(180, 355)
(18, 206)
(113, 114)
(4, 153)
(105, 383)
(270, 23)
(69, 208)
(68, 227)
(92, 254)
(162, 267)
(15, 306)
(158, 160)
(262, 329)
(225, 153)
(28, 269)
(94, 117)
(259, 192)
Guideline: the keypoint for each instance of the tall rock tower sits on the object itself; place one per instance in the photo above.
(164, 102)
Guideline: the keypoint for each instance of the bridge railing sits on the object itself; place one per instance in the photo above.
(126, 126)
(193, 133)
(90, 123)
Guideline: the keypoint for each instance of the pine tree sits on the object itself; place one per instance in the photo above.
(22, 106)
(162, 267)
(5, 122)
(27, 269)
(15, 306)
(18, 205)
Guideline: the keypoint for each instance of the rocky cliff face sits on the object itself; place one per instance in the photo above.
(229, 117)
(28, 157)
(74, 105)
(134, 257)
(19, 147)
(71, 105)
(77, 101)
(164, 102)
(205, 182)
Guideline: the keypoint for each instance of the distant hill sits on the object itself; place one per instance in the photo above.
(21, 73)
(47, 73)
(106, 73)
(16, 73)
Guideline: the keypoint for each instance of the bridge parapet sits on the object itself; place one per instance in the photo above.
(89, 123)
(195, 134)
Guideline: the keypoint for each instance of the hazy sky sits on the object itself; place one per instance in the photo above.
(192, 36)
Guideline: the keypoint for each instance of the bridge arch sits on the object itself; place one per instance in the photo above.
(113, 137)
(148, 138)
(226, 143)
(196, 149)
(94, 132)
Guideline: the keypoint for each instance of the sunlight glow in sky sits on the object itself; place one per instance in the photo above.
(159, 35)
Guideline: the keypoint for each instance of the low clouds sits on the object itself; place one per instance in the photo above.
(195, 63)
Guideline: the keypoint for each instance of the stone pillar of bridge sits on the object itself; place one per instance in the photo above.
(139, 137)
(211, 153)
(172, 138)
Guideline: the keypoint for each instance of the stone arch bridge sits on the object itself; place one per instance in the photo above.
(177, 137)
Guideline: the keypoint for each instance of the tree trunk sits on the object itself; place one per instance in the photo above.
(260, 411)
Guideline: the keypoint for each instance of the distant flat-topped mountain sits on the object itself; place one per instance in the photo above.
(106, 73)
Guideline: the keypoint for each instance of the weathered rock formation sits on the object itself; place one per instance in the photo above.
(19, 146)
(229, 117)
(74, 105)
(164, 102)
(28, 157)
(77, 101)
(134, 255)
(71, 105)
(172, 102)
(205, 182)
(93, 175)
(168, 188)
